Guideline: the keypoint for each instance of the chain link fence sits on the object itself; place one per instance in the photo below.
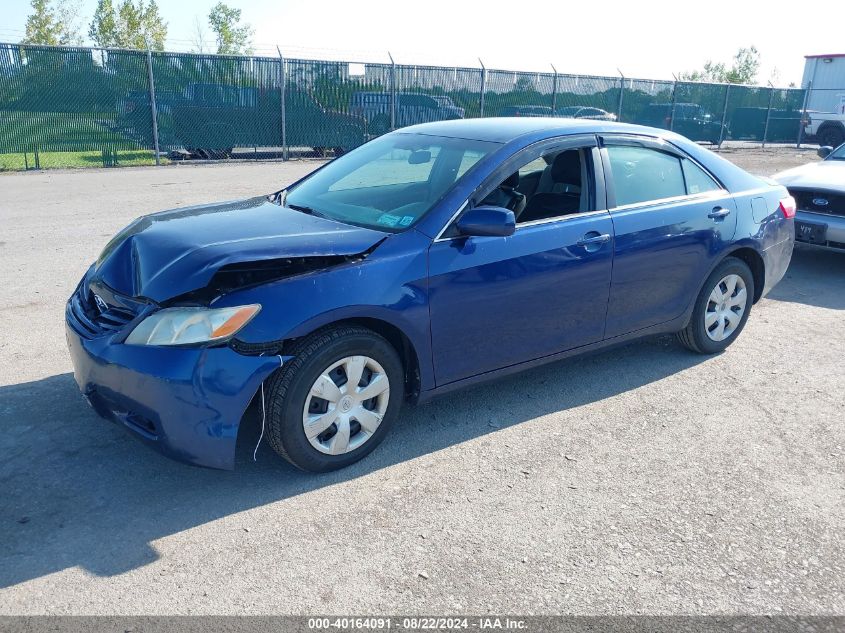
(63, 106)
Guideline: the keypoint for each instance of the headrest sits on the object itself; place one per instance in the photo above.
(512, 181)
(567, 167)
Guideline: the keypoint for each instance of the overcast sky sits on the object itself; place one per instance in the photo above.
(649, 39)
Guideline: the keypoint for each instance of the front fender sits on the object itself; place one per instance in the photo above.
(390, 285)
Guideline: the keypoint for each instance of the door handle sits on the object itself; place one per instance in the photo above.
(719, 213)
(593, 238)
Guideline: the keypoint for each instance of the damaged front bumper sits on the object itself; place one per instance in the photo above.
(185, 402)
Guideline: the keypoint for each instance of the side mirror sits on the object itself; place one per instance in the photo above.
(824, 151)
(487, 221)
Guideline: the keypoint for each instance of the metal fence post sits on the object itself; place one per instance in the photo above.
(621, 93)
(554, 90)
(392, 92)
(153, 102)
(724, 115)
(804, 114)
(483, 86)
(768, 113)
(283, 98)
(674, 100)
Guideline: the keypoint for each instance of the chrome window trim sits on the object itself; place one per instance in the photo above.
(561, 218)
(715, 193)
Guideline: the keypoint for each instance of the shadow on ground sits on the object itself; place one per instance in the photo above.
(78, 490)
(815, 277)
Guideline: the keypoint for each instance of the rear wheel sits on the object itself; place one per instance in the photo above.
(721, 309)
(335, 401)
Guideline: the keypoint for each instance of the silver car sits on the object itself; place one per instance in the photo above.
(819, 192)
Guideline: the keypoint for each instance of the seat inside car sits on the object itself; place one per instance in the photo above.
(506, 195)
(559, 190)
(563, 175)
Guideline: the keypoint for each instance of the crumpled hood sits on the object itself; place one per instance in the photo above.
(167, 254)
(827, 174)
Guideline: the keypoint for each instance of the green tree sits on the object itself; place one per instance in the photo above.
(103, 28)
(131, 25)
(232, 37)
(743, 70)
(524, 84)
(51, 23)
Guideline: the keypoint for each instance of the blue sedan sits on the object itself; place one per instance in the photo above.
(427, 260)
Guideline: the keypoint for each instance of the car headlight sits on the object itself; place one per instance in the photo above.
(191, 325)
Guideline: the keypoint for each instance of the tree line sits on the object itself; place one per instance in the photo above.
(134, 24)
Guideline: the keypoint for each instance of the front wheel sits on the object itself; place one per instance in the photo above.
(721, 309)
(335, 401)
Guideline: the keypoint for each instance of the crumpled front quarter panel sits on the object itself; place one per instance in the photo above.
(390, 285)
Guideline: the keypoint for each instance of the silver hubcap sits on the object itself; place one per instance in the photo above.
(725, 308)
(346, 405)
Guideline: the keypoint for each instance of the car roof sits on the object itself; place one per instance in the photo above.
(506, 129)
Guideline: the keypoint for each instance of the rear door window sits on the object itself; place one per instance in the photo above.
(642, 174)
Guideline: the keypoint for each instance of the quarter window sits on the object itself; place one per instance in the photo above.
(698, 180)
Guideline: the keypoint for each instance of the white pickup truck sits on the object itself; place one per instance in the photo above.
(827, 128)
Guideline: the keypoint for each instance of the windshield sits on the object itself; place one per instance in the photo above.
(389, 183)
(838, 153)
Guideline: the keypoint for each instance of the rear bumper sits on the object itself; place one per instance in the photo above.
(186, 403)
(835, 234)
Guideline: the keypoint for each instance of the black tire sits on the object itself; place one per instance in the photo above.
(694, 336)
(832, 135)
(289, 387)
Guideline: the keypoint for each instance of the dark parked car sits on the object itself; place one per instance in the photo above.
(572, 112)
(687, 119)
(527, 110)
(209, 120)
(819, 192)
(586, 112)
(411, 108)
(429, 259)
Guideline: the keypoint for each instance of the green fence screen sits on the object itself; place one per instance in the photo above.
(107, 105)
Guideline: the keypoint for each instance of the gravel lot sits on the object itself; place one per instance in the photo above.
(641, 480)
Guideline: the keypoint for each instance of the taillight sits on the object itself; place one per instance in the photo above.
(787, 207)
